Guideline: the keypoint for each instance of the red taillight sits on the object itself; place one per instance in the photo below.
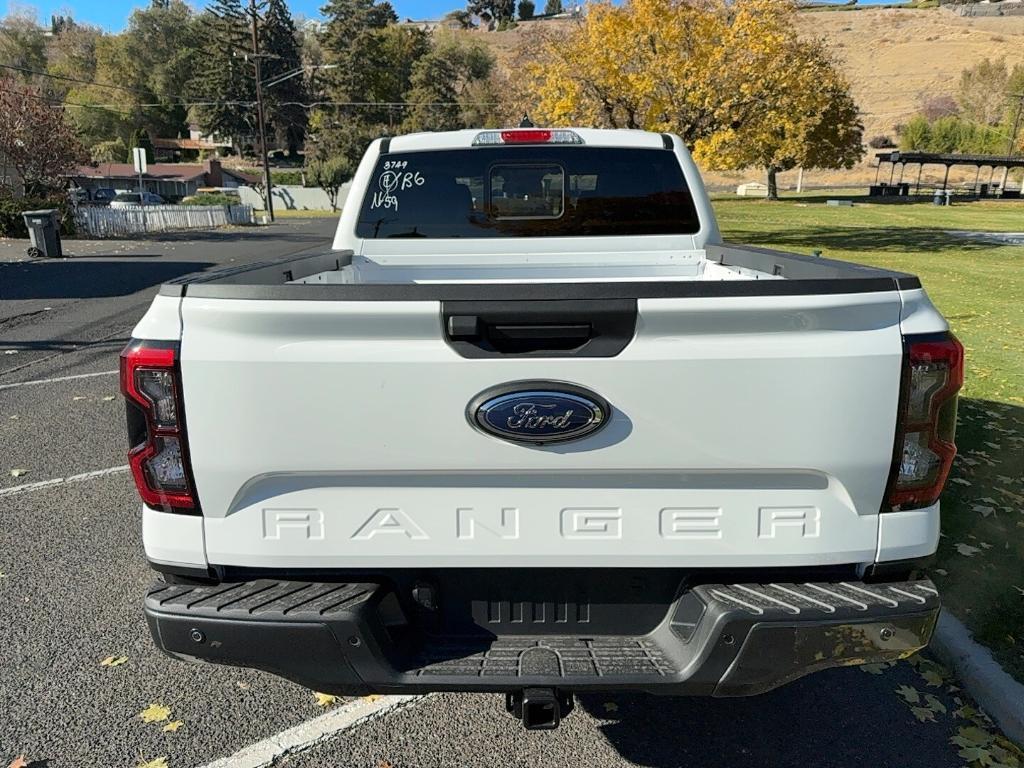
(934, 374)
(527, 136)
(158, 448)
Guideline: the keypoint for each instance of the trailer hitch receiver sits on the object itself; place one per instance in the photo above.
(539, 708)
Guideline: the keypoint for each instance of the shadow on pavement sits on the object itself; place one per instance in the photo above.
(87, 279)
(825, 720)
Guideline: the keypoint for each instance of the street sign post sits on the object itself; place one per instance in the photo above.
(139, 158)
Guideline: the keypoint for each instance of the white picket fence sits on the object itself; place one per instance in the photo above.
(137, 220)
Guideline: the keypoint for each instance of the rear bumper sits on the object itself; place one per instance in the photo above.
(722, 640)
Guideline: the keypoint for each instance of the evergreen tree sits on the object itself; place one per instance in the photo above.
(552, 7)
(346, 19)
(502, 11)
(223, 91)
(141, 139)
(283, 102)
(451, 87)
(373, 61)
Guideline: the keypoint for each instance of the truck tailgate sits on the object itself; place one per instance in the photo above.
(743, 430)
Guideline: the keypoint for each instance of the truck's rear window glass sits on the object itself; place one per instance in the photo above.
(527, 192)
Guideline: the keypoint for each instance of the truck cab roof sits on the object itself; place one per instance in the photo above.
(594, 137)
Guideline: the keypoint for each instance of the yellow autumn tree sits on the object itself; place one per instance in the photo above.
(729, 76)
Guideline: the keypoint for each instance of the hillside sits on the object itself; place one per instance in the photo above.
(893, 58)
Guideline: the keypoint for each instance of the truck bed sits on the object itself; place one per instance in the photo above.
(720, 270)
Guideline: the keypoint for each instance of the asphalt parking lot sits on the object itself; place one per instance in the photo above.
(72, 576)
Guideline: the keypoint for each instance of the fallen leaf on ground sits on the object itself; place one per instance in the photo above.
(611, 706)
(108, 398)
(371, 697)
(10, 351)
(967, 550)
(931, 677)
(942, 572)
(18, 472)
(874, 669)
(78, 397)
(113, 661)
(324, 699)
(19, 762)
(160, 762)
(934, 704)
(155, 713)
(243, 685)
(908, 694)
(923, 714)
(975, 754)
(172, 727)
(961, 481)
(972, 733)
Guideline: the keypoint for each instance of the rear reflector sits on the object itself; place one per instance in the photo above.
(925, 449)
(158, 448)
(527, 136)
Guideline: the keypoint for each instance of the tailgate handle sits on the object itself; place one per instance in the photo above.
(539, 328)
(503, 336)
(556, 333)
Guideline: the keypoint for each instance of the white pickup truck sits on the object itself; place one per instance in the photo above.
(531, 427)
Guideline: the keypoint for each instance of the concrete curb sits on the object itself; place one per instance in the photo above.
(996, 692)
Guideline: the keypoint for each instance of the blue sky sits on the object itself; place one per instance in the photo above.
(112, 14)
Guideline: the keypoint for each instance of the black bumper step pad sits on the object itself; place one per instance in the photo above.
(555, 657)
(264, 599)
(720, 639)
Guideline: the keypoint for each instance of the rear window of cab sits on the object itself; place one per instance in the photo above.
(527, 191)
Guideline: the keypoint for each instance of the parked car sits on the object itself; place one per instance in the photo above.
(135, 199)
(103, 195)
(531, 427)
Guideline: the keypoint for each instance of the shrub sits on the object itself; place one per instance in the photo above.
(916, 135)
(108, 151)
(526, 9)
(211, 198)
(12, 223)
(552, 7)
(293, 178)
(881, 142)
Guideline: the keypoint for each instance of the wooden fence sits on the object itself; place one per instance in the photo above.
(137, 220)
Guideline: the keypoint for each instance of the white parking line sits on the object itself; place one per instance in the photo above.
(16, 489)
(308, 734)
(55, 380)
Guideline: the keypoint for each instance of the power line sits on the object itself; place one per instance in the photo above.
(200, 101)
(177, 98)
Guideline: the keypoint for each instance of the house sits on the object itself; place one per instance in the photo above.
(172, 181)
(176, 150)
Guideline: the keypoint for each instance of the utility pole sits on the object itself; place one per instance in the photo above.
(259, 110)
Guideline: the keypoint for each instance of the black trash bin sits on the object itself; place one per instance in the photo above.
(44, 232)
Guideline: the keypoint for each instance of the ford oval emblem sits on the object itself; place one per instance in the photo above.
(538, 412)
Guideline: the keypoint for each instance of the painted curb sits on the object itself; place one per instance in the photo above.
(996, 692)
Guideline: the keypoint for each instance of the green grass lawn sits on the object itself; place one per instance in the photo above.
(979, 287)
